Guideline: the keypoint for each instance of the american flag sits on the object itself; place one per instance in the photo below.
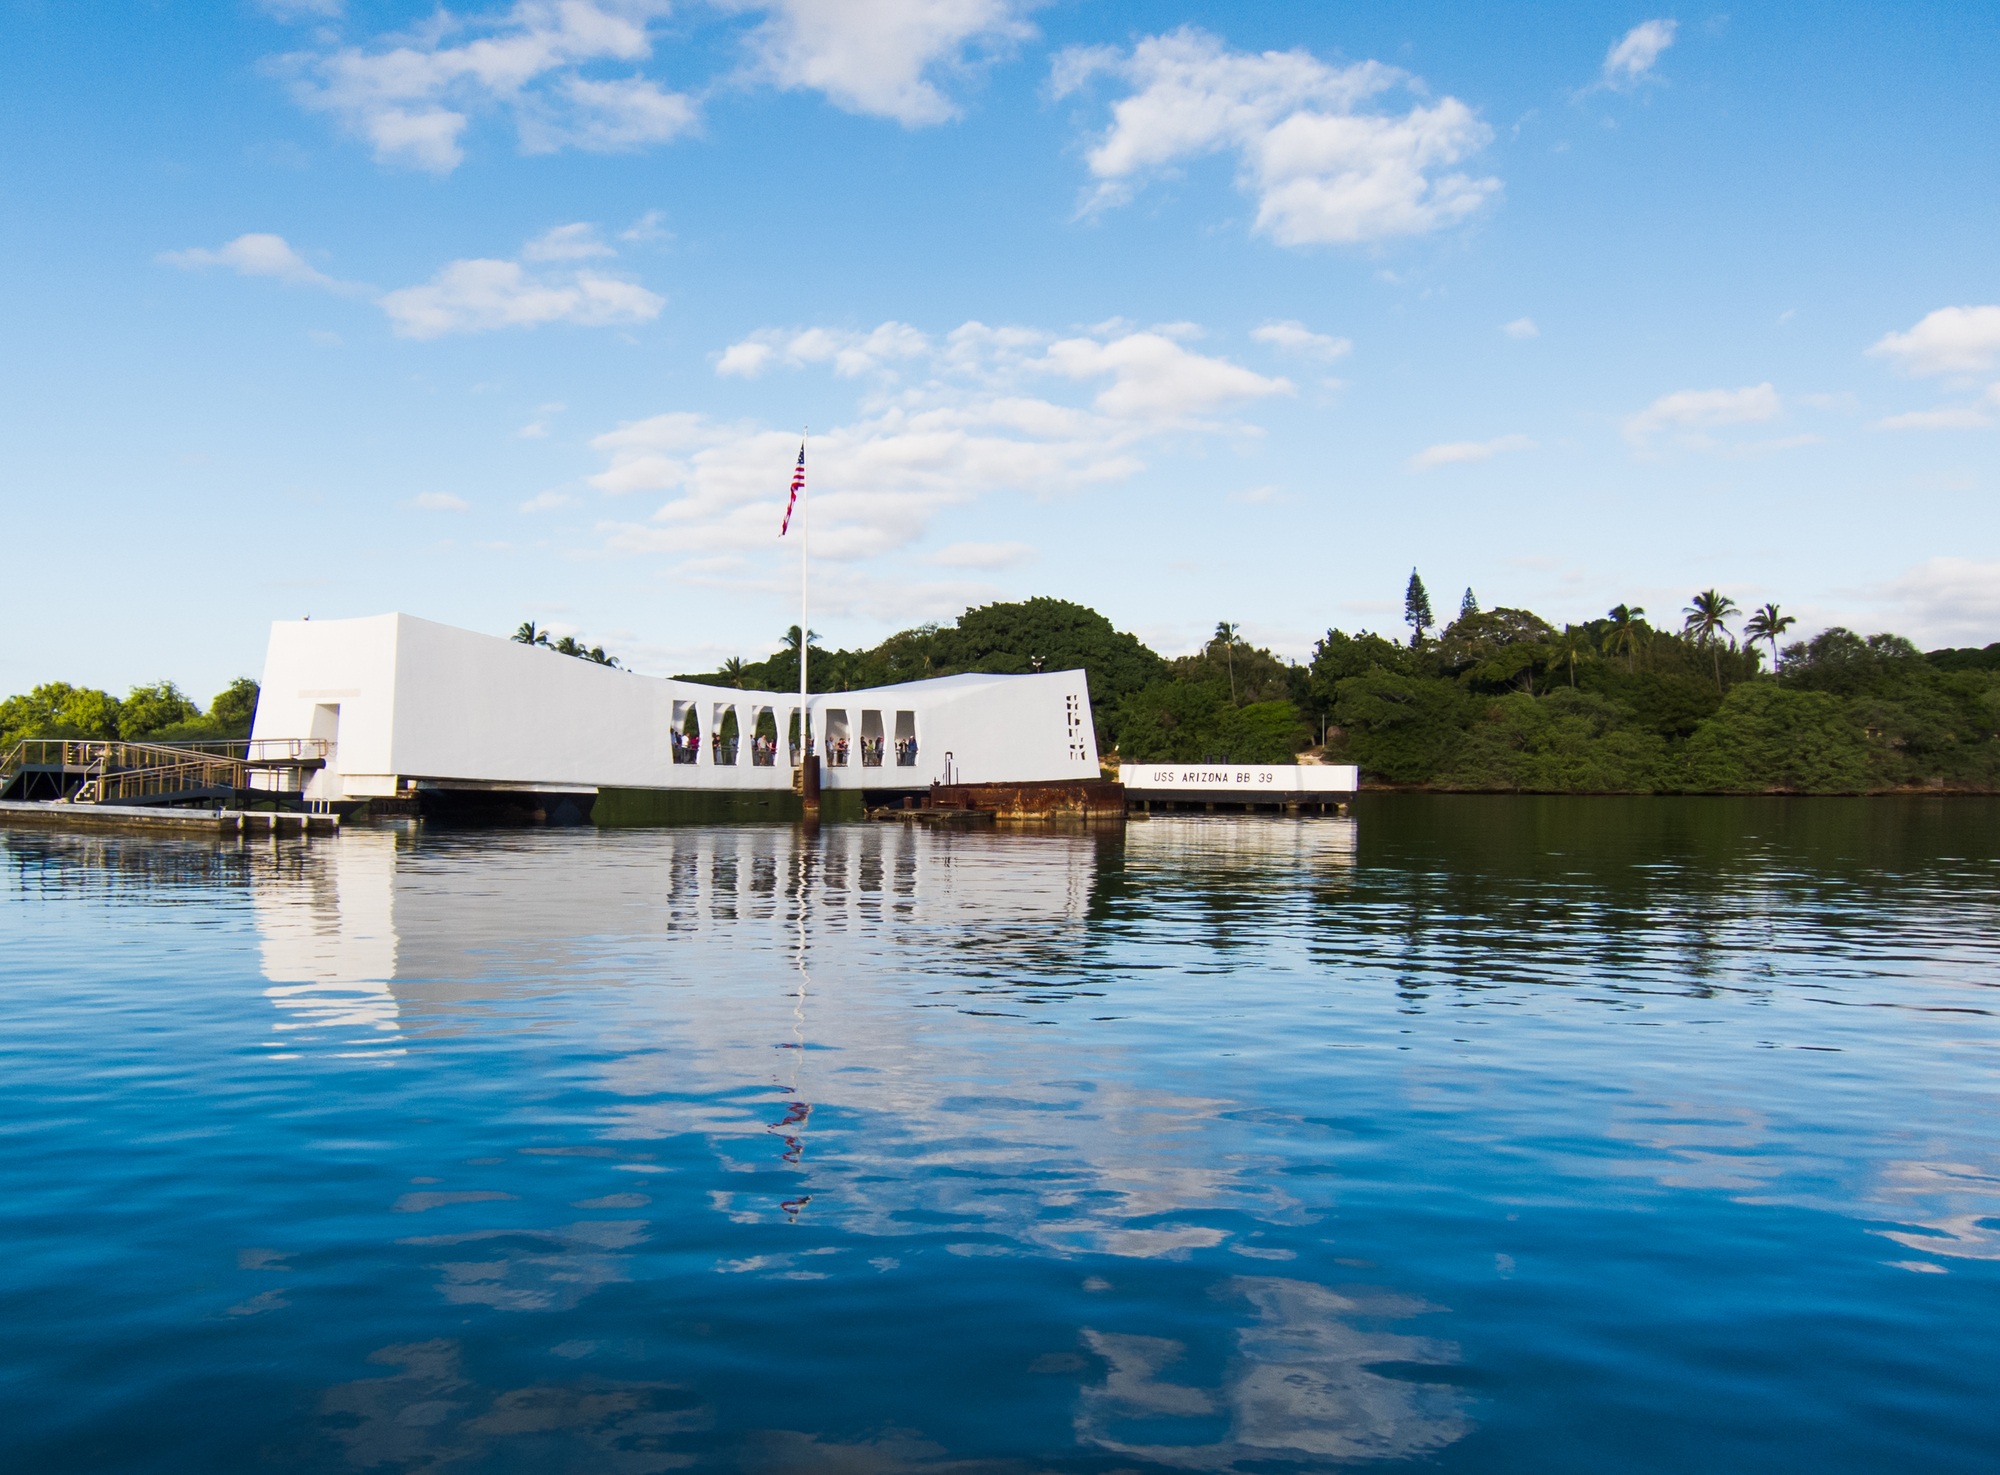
(798, 481)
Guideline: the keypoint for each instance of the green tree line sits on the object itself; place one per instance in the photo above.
(1716, 701)
(159, 713)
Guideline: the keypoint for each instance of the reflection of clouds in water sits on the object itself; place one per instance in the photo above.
(1301, 1386)
(429, 1415)
(1704, 1146)
(1070, 1170)
(1958, 1204)
(328, 938)
(1951, 1208)
(536, 1269)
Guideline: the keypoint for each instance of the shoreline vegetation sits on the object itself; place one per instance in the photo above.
(1495, 701)
(159, 713)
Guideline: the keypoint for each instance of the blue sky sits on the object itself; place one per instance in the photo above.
(1187, 312)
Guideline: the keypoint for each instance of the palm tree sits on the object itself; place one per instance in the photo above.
(1627, 633)
(531, 634)
(1706, 618)
(733, 669)
(568, 646)
(597, 656)
(1767, 624)
(1571, 649)
(1225, 636)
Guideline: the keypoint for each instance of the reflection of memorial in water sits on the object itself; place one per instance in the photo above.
(878, 987)
(326, 930)
(1182, 839)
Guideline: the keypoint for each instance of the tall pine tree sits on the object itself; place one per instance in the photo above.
(1468, 605)
(1417, 610)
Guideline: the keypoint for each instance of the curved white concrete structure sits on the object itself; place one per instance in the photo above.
(410, 703)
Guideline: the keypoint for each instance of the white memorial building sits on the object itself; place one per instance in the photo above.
(410, 707)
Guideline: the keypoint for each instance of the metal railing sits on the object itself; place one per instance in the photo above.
(111, 771)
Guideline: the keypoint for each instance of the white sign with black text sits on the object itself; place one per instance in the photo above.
(1242, 780)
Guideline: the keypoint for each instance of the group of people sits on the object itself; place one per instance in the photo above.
(764, 750)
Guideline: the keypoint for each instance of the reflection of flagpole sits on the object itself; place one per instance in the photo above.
(805, 628)
(799, 1113)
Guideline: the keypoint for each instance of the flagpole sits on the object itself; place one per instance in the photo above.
(809, 779)
(805, 629)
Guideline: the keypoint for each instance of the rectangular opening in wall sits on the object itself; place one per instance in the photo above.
(871, 739)
(906, 739)
(792, 729)
(686, 735)
(722, 722)
(836, 737)
(764, 738)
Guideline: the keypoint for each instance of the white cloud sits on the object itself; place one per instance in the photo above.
(1521, 328)
(942, 423)
(1153, 377)
(548, 502)
(480, 295)
(879, 56)
(1696, 409)
(1630, 59)
(1952, 340)
(578, 242)
(1951, 417)
(983, 555)
(652, 226)
(412, 96)
(257, 254)
(1323, 170)
(471, 296)
(606, 117)
(1296, 337)
(1454, 453)
(538, 428)
(441, 502)
(850, 353)
(1945, 601)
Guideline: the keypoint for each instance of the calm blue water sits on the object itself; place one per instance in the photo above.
(1478, 1134)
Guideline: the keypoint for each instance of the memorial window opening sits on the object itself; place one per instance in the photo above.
(723, 725)
(872, 742)
(686, 735)
(836, 737)
(764, 738)
(906, 739)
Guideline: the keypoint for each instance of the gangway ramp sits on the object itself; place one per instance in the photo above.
(88, 771)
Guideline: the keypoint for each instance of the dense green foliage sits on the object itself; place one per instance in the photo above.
(1499, 699)
(159, 713)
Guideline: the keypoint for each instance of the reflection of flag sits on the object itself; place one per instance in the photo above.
(798, 481)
